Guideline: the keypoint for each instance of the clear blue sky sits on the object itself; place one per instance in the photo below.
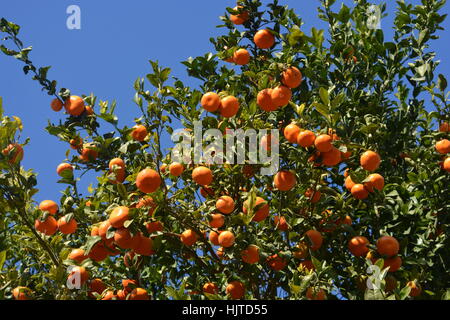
(110, 51)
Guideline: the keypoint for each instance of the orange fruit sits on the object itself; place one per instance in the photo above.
(210, 101)
(145, 246)
(446, 164)
(349, 183)
(78, 273)
(388, 246)
(280, 223)
(217, 220)
(276, 263)
(148, 180)
(139, 132)
(202, 176)
(267, 141)
(264, 100)
(210, 288)
(121, 295)
(109, 295)
(393, 263)
(416, 290)
(77, 255)
(74, 106)
(241, 57)
(67, 226)
(235, 289)
(97, 286)
(89, 152)
(332, 157)
(315, 238)
(76, 143)
(89, 110)
(129, 285)
(98, 252)
(22, 293)
(260, 213)
(284, 180)
(225, 204)
(306, 138)
(359, 192)
(323, 143)
(301, 250)
(14, 153)
(48, 227)
(103, 229)
(239, 18)
(291, 132)
(116, 162)
(147, 202)
(314, 294)
(118, 216)
(443, 146)
(163, 167)
(214, 237)
(189, 237)
(444, 127)
(49, 206)
(346, 220)
(291, 77)
(56, 104)
(370, 160)
(374, 181)
(358, 246)
(313, 195)
(139, 294)
(250, 255)
(264, 39)
(154, 226)
(229, 106)
(63, 167)
(123, 238)
(176, 169)
(281, 96)
(226, 239)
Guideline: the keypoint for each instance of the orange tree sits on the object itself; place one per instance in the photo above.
(358, 209)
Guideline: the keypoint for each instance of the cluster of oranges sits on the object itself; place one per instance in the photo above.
(443, 146)
(48, 225)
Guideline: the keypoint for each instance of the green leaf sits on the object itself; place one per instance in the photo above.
(324, 96)
(2, 259)
(442, 82)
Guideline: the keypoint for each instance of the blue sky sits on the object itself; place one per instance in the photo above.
(110, 51)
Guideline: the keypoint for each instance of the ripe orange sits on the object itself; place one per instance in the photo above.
(284, 180)
(359, 192)
(306, 138)
(349, 183)
(202, 175)
(49, 206)
(261, 213)
(116, 162)
(211, 288)
(210, 101)
(48, 227)
(314, 294)
(388, 246)
(98, 252)
(89, 110)
(163, 167)
(323, 143)
(225, 204)
(239, 18)
(315, 238)
(313, 195)
(74, 106)
(393, 263)
(77, 255)
(67, 226)
(139, 132)
(76, 143)
(56, 105)
(147, 202)
(148, 180)
(280, 223)
(144, 246)
(80, 272)
(267, 141)
(416, 290)
(264, 100)
(109, 295)
(281, 96)
(446, 164)
(229, 106)
(97, 286)
(235, 289)
(332, 157)
(250, 255)
(291, 77)
(264, 39)
(444, 127)
(14, 153)
(276, 263)
(189, 237)
(154, 226)
(139, 294)
(63, 167)
(374, 181)
(358, 246)
(370, 160)
(103, 228)
(118, 216)
(217, 220)
(123, 238)
(226, 239)
(241, 57)
(22, 293)
(89, 152)
(291, 132)
(443, 146)
(176, 169)
(214, 237)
